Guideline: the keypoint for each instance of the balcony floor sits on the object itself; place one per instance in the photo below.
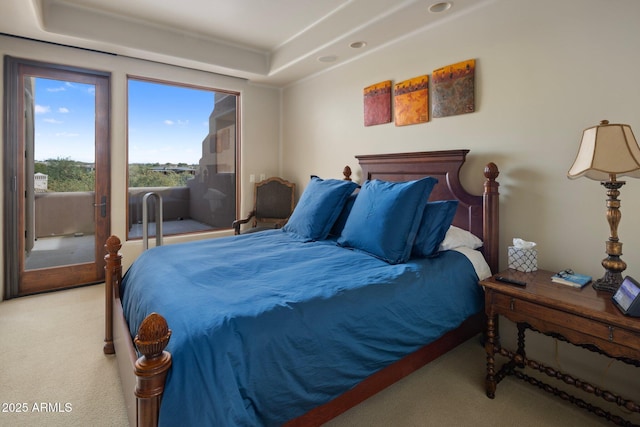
(65, 250)
(61, 250)
(170, 227)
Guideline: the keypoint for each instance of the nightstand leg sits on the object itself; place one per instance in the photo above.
(490, 348)
(521, 355)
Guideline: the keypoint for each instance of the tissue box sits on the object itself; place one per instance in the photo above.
(524, 260)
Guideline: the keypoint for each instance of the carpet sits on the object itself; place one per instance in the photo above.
(53, 371)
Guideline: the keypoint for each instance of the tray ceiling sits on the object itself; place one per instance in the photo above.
(275, 42)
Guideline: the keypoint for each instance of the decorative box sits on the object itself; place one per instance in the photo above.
(524, 260)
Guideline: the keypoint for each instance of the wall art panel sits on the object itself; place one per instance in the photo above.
(411, 101)
(377, 103)
(453, 89)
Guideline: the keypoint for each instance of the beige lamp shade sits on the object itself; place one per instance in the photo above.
(607, 151)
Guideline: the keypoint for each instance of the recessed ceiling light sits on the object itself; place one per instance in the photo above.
(440, 7)
(358, 45)
(327, 58)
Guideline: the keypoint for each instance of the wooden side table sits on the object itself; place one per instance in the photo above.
(583, 317)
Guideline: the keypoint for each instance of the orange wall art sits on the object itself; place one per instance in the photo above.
(411, 101)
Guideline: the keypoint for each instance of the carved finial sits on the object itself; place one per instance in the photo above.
(153, 336)
(347, 173)
(491, 171)
(113, 245)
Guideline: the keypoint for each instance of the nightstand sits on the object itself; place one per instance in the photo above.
(583, 317)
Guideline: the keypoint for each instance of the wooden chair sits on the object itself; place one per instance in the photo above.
(273, 203)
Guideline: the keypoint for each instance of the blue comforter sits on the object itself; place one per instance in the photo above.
(266, 327)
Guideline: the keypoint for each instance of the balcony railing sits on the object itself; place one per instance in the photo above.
(53, 218)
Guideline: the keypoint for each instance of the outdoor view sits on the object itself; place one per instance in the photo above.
(181, 147)
(167, 125)
(60, 177)
(64, 123)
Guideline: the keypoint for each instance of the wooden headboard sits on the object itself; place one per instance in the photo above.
(478, 214)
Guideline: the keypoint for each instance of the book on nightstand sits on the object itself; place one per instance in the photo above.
(569, 278)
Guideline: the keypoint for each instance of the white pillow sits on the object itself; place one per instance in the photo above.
(479, 263)
(457, 237)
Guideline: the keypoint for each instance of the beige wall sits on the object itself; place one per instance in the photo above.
(260, 126)
(546, 70)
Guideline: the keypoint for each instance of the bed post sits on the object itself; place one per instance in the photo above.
(113, 275)
(151, 368)
(490, 217)
(346, 173)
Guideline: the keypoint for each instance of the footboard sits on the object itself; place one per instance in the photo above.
(147, 373)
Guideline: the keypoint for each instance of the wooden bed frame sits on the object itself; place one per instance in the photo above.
(145, 376)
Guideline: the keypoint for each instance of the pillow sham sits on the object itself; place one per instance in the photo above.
(318, 207)
(385, 218)
(436, 219)
(457, 237)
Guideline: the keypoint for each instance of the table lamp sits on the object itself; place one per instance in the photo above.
(606, 152)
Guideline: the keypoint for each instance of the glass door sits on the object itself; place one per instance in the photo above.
(59, 156)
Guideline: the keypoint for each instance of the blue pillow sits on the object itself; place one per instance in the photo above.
(385, 217)
(319, 207)
(336, 230)
(436, 219)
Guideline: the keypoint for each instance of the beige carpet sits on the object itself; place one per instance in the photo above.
(51, 360)
(51, 355)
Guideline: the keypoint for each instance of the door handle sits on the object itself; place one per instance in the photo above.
(103, 206)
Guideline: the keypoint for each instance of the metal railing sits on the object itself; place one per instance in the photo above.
(145, 219)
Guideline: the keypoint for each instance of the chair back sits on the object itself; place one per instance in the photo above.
(274, 200)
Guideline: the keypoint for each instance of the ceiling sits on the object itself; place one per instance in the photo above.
(273, 42)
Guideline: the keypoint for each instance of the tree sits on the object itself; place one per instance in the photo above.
(66, 175)
(145, 176)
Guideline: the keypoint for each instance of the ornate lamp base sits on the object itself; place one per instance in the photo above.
(613, 265)
(610, 282)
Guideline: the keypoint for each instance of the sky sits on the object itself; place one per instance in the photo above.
(64, 120)
(167, 124)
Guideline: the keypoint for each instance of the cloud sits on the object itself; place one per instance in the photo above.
(90, 89)
(63, 110)
(169, 122)
(54, 121)
(42, 109)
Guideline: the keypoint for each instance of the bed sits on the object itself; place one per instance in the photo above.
(290, 329)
